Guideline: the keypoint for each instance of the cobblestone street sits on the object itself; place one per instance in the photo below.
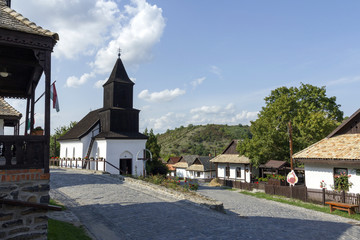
(112, 209)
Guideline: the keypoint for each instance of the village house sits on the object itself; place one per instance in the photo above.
(111, 132)
(181, 166)
(25, 63)
(170, 165)
(338, 153)
(202, 168)
(230, 166)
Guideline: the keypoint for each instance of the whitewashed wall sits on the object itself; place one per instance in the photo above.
(1, 126)
(87, 139)
(118, 148)
(181, 172)
(244, 175)
(70, 145)
(315, 173)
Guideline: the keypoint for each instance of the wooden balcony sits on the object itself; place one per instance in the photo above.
(23, 152)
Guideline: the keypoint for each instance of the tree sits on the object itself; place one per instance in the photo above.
(313, 116)
(60, 131)
(155, 166)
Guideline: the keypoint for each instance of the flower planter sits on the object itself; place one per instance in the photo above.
(37, 132)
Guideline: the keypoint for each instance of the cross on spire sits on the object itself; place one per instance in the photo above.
(119, 52)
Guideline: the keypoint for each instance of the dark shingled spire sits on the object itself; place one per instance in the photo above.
(118, 74)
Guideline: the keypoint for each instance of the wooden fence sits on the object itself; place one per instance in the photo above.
(241, 185)
(298, 192)
(97, 164)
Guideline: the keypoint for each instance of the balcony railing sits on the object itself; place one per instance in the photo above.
(22, 152)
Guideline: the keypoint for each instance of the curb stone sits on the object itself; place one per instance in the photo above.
(192, 197)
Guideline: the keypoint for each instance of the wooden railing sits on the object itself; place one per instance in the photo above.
(97, 164)
(22, 152)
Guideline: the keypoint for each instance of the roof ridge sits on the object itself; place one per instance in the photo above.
(11, 108)
(19, 17)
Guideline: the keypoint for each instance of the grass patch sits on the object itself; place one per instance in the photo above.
(55, 203)
(59, 230)
(295, 202)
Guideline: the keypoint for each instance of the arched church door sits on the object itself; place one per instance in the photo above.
(125, 166)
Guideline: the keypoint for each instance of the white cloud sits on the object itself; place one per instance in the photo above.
(163, 96)
(98, 28)
(344, 80)
(75, 81)
(197, 82)
(199, 116)
(206, 109)
(140, 28)
(217, 71)
(82, 25)
(100, 83)
(221, 115)
(246, 116)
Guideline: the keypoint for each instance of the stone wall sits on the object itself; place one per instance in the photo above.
(21, 221)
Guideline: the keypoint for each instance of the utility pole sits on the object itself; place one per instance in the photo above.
(291, 146)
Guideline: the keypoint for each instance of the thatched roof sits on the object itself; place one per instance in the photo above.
(181, 165)
(230, 158)
(341, 147)
(196, 167)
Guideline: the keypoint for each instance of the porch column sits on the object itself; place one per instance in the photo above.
(47, 71)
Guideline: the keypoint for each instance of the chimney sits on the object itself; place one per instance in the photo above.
(8, 3)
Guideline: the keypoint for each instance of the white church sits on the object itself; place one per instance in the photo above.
(111, 132)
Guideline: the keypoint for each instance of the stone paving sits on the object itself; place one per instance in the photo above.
(112, 209)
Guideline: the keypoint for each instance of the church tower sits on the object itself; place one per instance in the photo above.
(118, 90)
(118, 114)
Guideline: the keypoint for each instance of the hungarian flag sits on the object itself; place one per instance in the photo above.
(54, 97)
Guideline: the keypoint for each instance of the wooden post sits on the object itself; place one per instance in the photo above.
(343, 196)
(96, 166)
(27, 116)
(323, 196)
(291, 146)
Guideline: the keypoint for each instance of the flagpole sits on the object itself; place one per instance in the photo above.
(43, 93)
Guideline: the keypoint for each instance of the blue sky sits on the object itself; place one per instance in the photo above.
(197, 62)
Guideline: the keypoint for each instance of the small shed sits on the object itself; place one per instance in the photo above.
(274, 167)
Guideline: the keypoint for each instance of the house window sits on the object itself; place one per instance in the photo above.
(66, 155)
(238, 172)
(198, 174)
(73, 152)
(339, 171)
(227, 171)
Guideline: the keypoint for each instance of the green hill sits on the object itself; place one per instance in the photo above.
(201, 140)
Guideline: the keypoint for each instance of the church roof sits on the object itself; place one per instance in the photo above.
(83, 126)
(12, 20)
(6, 110)
(125, 135)
(119, 74)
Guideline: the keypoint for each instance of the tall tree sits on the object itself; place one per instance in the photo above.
(54, 144)
(313, 116)
(155, 166)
